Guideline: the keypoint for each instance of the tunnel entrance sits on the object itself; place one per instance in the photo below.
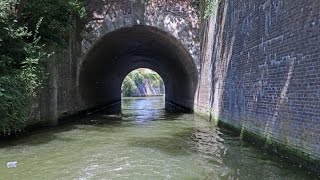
(143, 89)
(116, 54)
(142, 82)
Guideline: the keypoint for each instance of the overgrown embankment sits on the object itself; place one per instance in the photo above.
(27, 30)
(140, 83)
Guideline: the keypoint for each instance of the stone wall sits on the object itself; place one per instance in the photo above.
(260, 62)
(259, 65)
(174, 22)
(120, 36)
(179, 18)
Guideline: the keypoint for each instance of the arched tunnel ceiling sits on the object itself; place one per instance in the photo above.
(126, 49)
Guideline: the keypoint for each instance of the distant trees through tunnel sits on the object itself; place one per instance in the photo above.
(142, 82)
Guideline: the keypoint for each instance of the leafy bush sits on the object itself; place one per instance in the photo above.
(26, 28)
(128, 87)
(135, 78)
(209, 7)
(13, 102)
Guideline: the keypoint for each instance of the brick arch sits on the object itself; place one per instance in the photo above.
(123, 50)
(176, 22)
(180, 18)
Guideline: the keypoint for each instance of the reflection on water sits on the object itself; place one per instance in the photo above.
(144, 142)
(142, 110)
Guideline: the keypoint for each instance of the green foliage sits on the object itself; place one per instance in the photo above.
(26, 28)
(209, 7)
(13, 102)
(137, 77)
(128, 87)
(57, 18)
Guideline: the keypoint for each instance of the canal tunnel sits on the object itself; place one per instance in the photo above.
(116, 54)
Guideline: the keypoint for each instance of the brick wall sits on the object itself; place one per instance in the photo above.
(260, 70)
(177, 19)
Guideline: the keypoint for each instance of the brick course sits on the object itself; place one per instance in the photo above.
(265, 70)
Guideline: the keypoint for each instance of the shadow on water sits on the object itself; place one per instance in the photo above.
(175, 144)
(263, 165)
(48, 134)
(134, 114)
(38, 137)
(102, 120)
(183, 137)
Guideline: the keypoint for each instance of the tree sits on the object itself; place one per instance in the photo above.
(26, 28)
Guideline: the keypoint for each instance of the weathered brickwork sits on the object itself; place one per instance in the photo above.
(176, 17)
(175, 21)
(260, 70)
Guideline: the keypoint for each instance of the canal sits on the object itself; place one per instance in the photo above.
(144, 142)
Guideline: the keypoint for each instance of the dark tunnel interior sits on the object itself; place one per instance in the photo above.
(121, 51)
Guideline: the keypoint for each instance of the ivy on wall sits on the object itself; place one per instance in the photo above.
(208, 7)
(27, 27)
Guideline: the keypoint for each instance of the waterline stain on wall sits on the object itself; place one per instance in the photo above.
(263, 58)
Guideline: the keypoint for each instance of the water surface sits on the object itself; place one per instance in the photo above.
(144, 142)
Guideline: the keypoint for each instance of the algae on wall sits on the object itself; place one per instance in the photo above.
(256, 85)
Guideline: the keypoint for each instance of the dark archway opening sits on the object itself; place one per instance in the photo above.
(127, 49)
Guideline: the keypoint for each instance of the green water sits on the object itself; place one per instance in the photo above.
(144, 142)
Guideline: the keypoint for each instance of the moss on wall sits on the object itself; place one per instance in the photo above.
(267, 144)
